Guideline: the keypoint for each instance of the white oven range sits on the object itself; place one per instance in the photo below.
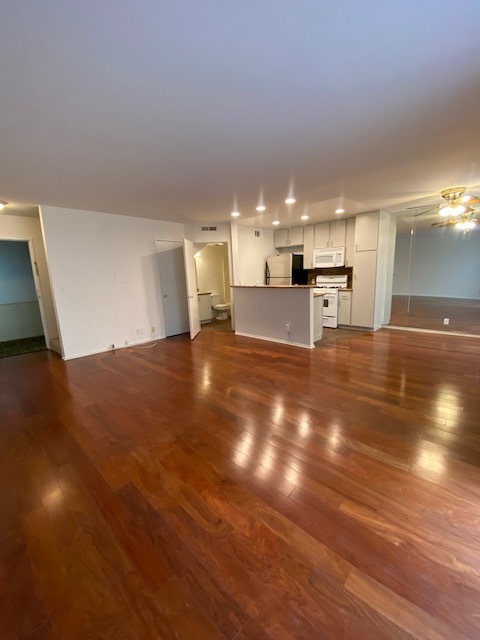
(329, 286)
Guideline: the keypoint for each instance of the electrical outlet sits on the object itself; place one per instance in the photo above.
(140, 331)
(288, 326)
(153, 329)
(446, 321)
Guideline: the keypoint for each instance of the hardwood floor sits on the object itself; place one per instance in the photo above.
(424, 312)
(238, 489)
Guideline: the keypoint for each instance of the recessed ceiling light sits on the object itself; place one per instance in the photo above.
(339, 210)
(276, 222)
(235, 214)
(290, 201)
(3, 204)
(305, 217)
(261, 207)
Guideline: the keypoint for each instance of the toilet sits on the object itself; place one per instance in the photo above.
(221, 310)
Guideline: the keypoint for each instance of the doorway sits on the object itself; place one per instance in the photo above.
(21, 321)
(213, 277)
(178, 285)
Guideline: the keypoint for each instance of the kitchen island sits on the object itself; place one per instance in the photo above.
(288, 314)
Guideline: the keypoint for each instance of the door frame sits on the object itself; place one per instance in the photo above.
(36, 281)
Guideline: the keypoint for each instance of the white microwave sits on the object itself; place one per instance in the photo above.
(326, 258)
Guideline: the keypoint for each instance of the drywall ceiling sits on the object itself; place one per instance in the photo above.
(170, 109)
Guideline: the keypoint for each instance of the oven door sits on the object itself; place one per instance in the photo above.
(330, 309)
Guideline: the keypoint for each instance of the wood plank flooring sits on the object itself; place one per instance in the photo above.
(234, 489)
(427, 312)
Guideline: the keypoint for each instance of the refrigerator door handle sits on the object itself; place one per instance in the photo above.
(267, 274)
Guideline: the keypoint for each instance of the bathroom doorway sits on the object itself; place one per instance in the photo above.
(213, 282)
(21, 320)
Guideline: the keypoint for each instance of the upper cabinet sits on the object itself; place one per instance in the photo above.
(366, 231)
(280, 237)
(288, 237)
(350, 243)
(295, 236)
(330, 234)
(308, 246)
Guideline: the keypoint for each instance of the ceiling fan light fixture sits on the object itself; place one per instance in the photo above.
(453, 194)
(458, 209)
(466, 225)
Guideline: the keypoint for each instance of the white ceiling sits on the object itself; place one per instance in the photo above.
(168, 109)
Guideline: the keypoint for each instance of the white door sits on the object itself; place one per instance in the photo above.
(171, 268)
(191, 281)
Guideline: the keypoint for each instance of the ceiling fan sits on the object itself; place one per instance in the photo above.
(460, 210)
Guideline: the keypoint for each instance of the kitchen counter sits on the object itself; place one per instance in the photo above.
(273, 286)
(278, 313)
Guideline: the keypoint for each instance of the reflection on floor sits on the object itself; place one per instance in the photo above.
(429, 313)
(218, 325)
(330, 336)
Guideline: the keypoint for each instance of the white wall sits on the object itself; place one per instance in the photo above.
(103, 275)
(252, 254)
(445, 263)
(26, 228)
(196, 232)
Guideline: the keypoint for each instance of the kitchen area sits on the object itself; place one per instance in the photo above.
(343, 266)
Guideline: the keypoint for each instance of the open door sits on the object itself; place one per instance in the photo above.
(191, 280)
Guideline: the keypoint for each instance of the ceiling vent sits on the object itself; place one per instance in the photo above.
(209, 228)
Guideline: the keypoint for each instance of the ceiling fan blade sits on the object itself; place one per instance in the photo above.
(427, 207)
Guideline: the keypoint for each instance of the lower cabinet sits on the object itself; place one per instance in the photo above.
(345, 308)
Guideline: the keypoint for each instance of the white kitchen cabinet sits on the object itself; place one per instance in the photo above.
(322, 235)
(364, 282)
(280, 237)
(295, 236)
(345, 308)
(330, 234)
(288, 237)
(350, 243)
(366, 231)
(337, 233)
(308, 246)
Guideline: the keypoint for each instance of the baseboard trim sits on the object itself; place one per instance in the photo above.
(291, 344)
(457, 334)
(108, 350)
